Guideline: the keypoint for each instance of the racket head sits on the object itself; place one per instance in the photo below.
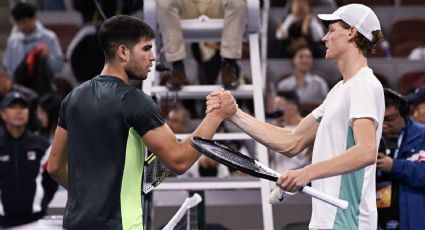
(230, 157)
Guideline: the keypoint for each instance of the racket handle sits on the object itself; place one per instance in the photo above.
(187, 204)
(342, 204)
(277, 195)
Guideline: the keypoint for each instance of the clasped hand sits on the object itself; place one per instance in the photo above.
(222, 103)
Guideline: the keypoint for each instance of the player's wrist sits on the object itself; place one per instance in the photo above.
(214, 117)
(236, 116)
(309, 172)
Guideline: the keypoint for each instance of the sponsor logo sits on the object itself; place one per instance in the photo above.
(5, 158)
(31, 155)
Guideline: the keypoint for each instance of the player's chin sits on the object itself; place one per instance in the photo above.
(143, 77)
(329, 55)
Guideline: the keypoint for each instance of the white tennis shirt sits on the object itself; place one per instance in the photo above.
(360, 97)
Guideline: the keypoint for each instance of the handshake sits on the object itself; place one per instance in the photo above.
(221, 103)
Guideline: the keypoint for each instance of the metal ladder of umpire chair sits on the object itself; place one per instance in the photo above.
(205, 29)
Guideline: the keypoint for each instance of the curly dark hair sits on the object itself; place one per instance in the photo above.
(124, 30)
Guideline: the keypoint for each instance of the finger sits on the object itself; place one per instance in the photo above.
(291, 187)
(210, 97)
(211, 108)
(213, 101)
(281, 179)
(214, 106)
(216, 93)
(286, 181)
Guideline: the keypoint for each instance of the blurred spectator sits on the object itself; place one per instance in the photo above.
(169, 14)
(301, 28)
(207, 55)
(417, 100)
(310, 87)
(48, 114)
(288, 104)
(26, 188)
(405, 165)
(90, 13)
(7, 86)
(327, 3)
(27, 34)
(178, 120)
(417, 54)
(84, 53)
(54, 5)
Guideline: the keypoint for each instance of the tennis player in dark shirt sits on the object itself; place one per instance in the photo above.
(104, 124)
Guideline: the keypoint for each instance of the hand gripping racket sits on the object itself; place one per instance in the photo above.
(246, 164)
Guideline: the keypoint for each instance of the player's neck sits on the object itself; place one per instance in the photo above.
(111, 69)
(350, 63)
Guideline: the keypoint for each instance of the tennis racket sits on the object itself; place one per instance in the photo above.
(155, 173)
(246, 164)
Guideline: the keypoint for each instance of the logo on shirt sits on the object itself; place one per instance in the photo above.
(31, 155)
(5, 158)
(418, 156)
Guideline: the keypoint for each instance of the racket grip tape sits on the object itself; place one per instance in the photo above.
(277, 196)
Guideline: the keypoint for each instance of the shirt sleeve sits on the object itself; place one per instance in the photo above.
(62, 112)
(143, 113)
(318, 112)
(365, 101)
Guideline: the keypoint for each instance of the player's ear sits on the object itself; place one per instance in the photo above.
(123, 53)
(352, 33)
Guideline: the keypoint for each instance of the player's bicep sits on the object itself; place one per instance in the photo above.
(306, 130)
(162, 142)
(365, 137)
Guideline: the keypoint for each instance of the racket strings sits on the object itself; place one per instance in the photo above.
(232, 157)
(235, 158)
(155, 172)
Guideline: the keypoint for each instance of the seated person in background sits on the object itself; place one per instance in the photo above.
(417, 53)
(7, 86)
(234, 14)
(84, 53)
(178, 120)
(310, 87)
(27, 34)
(288, 103)
(26, 188)
(305, 26)
(405, 165)
(417, 100)
(48, 114)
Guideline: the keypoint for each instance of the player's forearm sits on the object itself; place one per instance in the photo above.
(60, 175)
(276, 138)
(353, 159)
(187, 154)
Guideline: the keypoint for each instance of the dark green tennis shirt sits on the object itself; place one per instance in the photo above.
(105, 119)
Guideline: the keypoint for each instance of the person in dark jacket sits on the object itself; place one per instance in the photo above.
(7, 86)
(25, 187)
(406, 164)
